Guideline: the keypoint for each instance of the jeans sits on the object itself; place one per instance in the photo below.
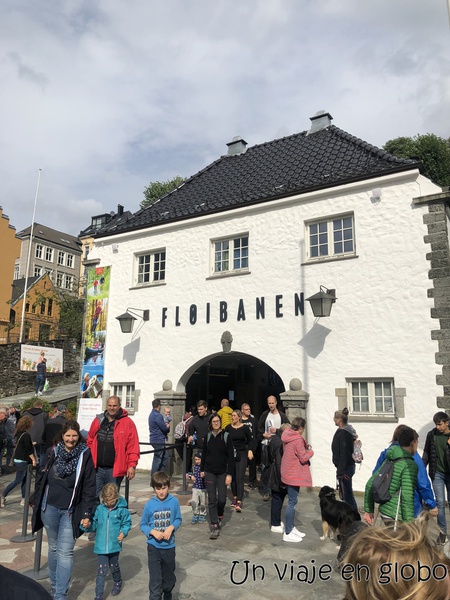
(40, 382)
(346, 486)
(105, 560)
(441, 482)
(276, 506)
(198, 502)
(237, 483)
(217, 495)
(58, 525)
(160, 458)
(21, 477)
(105, 475)
(292, 493)
(161, 570)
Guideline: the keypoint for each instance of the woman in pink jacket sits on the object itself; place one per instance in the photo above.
(294, 472)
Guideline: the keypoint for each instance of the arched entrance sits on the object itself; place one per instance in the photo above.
(234, 375)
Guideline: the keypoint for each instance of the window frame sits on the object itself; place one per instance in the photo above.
(37, 270)
(235, 252)
(132, 406)
(61, 258)
(344, 397)
(38, 251)
(68, 281)
(152, 269)
(332, 237)
(49, 252)
(70, 260)
(59, 279)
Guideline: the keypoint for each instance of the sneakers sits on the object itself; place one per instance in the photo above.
(252, 485)
(233, 504)
(266, 497)
(194, 520)
(202, 519)
(91, 536)
(297, 532)
(220, 521)
(277, 528)
(291, 537)
(22, 502)
(214, 532)
(2, 501)
(441, 539)
(96, 597)
(238, 506)
(117, 588)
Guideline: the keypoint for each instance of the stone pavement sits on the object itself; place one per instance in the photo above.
(246, 562)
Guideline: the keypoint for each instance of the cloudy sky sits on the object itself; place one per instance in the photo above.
(105, 96)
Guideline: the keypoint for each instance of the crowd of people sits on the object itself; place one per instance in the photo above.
(78, 485)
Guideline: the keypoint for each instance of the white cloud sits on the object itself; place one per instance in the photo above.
(106, 96)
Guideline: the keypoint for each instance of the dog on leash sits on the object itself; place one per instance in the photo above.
(336, 515)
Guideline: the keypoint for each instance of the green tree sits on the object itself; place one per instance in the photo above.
(157, 189)
(431, 150)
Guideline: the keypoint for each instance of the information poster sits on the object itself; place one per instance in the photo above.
(30, 356)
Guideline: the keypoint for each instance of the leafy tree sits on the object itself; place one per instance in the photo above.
(431, 150)
(157, 189)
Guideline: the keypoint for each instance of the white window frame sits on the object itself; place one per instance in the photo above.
(37, 271)
(375, 396)
(325, 239)
(68, 281)
(61, 258)
(128, 395)
(48, 254)
(150, 267)
(59, 279)
(16, 272)
(69, 261)
(230, 254)
(38, 251)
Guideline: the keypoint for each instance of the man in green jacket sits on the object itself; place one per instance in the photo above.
(403, 482)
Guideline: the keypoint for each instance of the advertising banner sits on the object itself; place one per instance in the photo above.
(98, 279)
(30, 356)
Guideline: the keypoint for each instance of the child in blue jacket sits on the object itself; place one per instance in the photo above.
(160, 519)
(112, 522)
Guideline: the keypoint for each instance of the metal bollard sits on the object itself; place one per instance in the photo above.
(25, 537)
(37, 573)
(184, 491)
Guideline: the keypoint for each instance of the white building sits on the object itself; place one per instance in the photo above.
(240, 246)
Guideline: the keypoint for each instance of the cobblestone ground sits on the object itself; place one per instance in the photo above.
(246, 562)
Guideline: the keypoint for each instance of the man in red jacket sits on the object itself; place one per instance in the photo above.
(114, 445)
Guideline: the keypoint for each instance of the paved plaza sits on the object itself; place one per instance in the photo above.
(246, 562)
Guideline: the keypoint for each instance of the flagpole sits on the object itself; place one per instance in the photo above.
(25, 286)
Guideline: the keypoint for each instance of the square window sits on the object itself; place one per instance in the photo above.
(150, 267)
(230, 255)
(372, 396)
(331, 237)
(127, 394)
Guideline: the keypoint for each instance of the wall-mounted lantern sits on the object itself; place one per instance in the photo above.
(129, 317)
(322, 301)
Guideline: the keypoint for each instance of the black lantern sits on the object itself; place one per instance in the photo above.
(127, 319)
(322, 301)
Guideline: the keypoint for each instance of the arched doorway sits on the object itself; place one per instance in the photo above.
(234, 375)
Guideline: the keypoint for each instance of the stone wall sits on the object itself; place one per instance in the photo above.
(438, 236)
(13, 381)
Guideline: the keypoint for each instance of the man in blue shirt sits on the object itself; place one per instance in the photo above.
(158, 435)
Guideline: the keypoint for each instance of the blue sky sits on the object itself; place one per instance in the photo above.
(105, 96)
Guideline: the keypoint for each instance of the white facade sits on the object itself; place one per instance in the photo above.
(379, 326)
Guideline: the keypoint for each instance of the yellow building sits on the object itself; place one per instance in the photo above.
(9, 251)
(41, 310)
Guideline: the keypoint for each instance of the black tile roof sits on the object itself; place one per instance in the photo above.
(18, 287)
(295, 164)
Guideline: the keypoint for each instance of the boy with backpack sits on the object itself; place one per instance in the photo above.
(392, 485)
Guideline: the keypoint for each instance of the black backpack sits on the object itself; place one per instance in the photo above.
(382, 480)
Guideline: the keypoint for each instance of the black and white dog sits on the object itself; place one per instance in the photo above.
(336, 515)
